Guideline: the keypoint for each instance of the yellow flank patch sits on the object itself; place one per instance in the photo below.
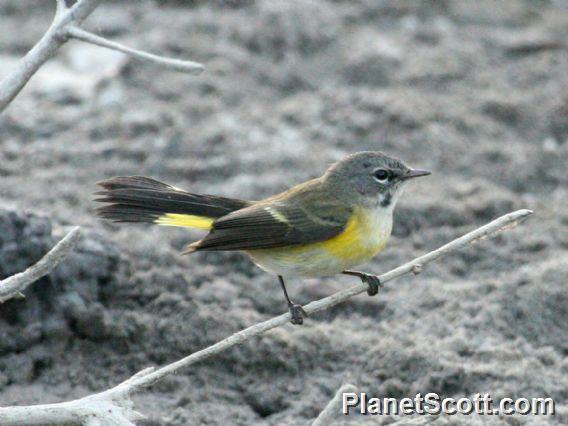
(363, 238)
(365, 234)
(185, 220)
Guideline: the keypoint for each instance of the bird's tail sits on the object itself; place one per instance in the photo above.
(142, 199)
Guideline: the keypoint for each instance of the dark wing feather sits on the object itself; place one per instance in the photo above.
(142, 199)
(274, 224)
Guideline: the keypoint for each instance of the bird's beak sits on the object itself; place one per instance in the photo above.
(414, 173)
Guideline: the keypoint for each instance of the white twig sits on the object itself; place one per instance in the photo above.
(14, 285)
(118, 397)
(171, 63)
(507, 221)
(60, 8)
(51, 41)
(422, 420)
(332, 410)
(65, 25)
(111, 407)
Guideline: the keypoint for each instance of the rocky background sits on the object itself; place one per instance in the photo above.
(475, 91)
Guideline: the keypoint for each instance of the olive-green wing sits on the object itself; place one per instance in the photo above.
(275, 224)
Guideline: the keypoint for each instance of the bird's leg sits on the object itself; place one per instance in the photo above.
(297, 313)
(372, 280)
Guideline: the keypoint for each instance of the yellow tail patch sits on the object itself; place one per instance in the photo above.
(185, 220)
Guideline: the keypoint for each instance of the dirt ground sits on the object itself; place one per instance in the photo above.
(477, 92)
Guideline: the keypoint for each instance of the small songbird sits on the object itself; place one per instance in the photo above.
(321, 227)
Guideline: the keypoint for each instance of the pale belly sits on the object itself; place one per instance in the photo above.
(363, 238)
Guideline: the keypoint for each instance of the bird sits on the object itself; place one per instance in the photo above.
(322, 227)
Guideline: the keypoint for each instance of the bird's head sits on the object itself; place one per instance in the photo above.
(371, 178)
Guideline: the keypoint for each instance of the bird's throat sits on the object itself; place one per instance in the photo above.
(385, 199)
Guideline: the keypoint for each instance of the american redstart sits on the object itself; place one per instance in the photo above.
(318, 228)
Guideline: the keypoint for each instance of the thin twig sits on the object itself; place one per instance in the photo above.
(65, 26)
(332, 410)
(13, 286)
(171, 63)
(46, 47)
(119, 397)
(111, 407)
(422, 420)
(493, 227)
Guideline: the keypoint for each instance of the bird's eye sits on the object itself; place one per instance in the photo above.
(381, 175)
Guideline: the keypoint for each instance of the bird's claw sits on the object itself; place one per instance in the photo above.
(373, 282)
(297, 314)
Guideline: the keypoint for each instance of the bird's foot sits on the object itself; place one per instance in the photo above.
(297, 314)
(373, 282)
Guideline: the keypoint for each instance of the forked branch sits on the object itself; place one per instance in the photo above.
(171, 63)
(65, 26)
(13, 286)
(118, 398)
(333, 408)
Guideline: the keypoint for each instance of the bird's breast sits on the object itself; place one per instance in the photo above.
(365, 235)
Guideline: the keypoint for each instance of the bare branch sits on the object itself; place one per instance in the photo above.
(51, 41)
(14, 285)
(118, 398)
(171, 63)
(421, 420)
(333, 408)
(504, 222)
(65, 25)
(61, 8)
(111, 407)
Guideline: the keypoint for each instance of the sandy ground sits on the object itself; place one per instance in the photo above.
(475, 91)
